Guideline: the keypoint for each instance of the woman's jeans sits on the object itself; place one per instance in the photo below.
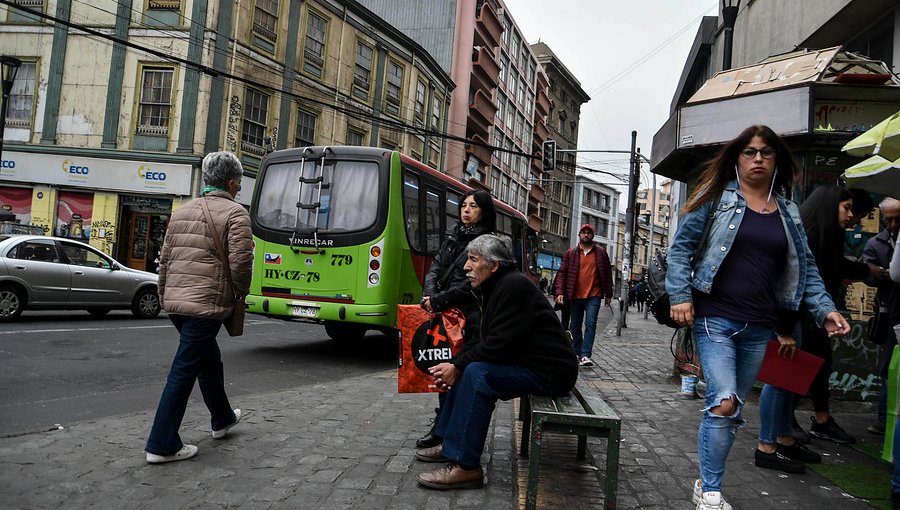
(197, 359)
(466, 414)
(776, 408)
(731, 353)
(584, 310)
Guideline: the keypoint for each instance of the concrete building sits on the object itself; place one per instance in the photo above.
(566, 98)
(103, 140)
(816, 114)
(501, 96)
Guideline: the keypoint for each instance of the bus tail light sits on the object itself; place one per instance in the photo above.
(376, 252)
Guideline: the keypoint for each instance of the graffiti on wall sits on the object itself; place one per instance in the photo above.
(854, 374)
(232, 129)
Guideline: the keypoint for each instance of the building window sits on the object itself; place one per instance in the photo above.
(388, 144)
(21, 98)
(314, 47)
(394, 88)
(162, 5)
(505, 35)
(156, 101)
(265, 19)
(355, 137)
(306, 129)
(420, 103)
(256, 111)
(603, 227)
(436, 106)
(362, 71)
(503, 66)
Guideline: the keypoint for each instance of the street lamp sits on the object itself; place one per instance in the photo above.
(10, 68)
(729, 16)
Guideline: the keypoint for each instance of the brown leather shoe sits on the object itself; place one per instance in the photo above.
(452, 476)
(433, 454)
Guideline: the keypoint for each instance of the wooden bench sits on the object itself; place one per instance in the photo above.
(583, 413)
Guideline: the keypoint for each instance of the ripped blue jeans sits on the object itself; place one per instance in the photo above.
(731, 353)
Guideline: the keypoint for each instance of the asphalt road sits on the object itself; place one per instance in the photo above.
(63, 367)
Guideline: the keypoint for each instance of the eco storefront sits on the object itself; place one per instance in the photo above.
(122, 207)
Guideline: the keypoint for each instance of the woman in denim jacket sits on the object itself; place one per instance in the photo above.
(756, 263)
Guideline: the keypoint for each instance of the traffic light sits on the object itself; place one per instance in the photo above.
(549, 157)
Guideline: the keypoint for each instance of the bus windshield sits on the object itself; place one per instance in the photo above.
(350, 203)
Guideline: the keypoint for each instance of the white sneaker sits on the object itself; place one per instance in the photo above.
(186, 452)
(698, 492)
(712, 501)
(219, 434)
(586, 362)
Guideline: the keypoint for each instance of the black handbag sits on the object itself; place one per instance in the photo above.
(656, 282)
(878, 326)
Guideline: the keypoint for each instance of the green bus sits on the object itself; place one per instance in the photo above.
(343, 234)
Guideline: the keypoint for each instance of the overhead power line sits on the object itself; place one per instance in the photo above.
(358, 114)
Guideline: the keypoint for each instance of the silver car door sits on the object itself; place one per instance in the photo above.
(96, 279)
(37, 264)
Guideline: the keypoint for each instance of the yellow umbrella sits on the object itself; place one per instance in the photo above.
(882, 140)
(875, 174)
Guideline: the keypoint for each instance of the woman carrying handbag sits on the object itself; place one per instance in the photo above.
(199, 288)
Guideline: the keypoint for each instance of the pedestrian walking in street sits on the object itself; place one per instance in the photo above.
(522, 350)
(878, 251)
(755, 262)
(194, 290)
(446, 285)
(584, 279)
(826, 213)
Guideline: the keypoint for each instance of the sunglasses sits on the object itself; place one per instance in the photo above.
(766, 152)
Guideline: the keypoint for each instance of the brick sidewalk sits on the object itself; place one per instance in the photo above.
(350, 444)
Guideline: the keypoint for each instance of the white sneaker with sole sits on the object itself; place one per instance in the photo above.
(186, 452)
(712, 501)
(219, 434)
(698, 492)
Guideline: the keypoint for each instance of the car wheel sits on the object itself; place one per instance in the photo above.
(145, 304)
(344, 332)
(12, 302)
(98, 312)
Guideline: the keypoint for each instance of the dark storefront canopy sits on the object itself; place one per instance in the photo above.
(824, 97)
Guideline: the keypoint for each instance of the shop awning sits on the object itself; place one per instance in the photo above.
(831, 92)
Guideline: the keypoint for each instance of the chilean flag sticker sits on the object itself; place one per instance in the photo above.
(273, 258)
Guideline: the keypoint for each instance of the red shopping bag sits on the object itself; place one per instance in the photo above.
(792, 374)
(425, 341)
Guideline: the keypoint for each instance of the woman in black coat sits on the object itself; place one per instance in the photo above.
(446, 285)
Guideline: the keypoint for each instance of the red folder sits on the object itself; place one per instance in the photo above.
(791, 374)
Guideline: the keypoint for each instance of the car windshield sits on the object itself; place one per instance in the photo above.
(349, 201)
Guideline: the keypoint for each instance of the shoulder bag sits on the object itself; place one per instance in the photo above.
(656, 282)
(234, 323)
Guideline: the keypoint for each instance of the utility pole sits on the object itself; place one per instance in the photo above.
(629, 227)
(652, 225)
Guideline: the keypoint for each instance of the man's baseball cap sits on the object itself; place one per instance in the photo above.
(586, 226)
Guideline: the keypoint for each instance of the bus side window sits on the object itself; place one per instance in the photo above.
(433, 217)
(411, 210)
(452, 212)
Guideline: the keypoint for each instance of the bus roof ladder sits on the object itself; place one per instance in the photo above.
(319, 180)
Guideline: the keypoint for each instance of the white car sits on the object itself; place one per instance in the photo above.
(52, 273)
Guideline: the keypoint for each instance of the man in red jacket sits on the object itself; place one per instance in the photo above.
(584, 278)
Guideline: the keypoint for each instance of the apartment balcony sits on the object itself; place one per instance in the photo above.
(481, 115)
(488, 27)
(482, 153)
(540, 132)
(542, 103)
(485, 70)
(537, 193)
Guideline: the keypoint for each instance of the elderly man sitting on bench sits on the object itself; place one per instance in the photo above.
(522, 350)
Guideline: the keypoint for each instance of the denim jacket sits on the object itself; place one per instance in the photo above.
(798, 282)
